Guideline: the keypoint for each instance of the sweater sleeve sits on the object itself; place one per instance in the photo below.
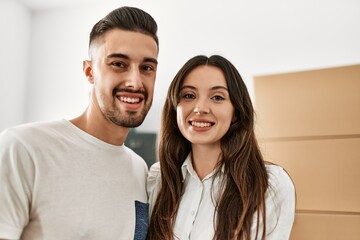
(16, 183)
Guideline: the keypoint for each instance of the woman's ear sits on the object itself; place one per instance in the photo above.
(234, 118)
(87, 68)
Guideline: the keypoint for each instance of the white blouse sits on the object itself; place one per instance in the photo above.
(195, 217)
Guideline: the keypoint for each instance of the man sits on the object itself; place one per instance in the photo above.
(75, 179)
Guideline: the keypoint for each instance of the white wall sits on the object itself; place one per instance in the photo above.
(14, 47)
(259, 37)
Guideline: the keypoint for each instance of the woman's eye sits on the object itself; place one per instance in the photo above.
(217, 98)
(188, 96)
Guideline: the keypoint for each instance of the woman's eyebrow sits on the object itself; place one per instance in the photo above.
(219, 87)
(188, 86)
(212, 88)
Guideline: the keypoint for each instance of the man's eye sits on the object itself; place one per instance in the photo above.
(118, 64)
(148, 68)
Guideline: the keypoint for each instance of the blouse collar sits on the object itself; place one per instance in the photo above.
(187, 168)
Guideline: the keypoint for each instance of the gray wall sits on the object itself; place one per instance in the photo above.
(15, 28)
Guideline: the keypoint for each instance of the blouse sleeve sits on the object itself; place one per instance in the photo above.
(280, 204)
(153, 184)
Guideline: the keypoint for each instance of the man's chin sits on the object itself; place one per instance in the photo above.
(128, 119)
(132, 125)
(129, 122)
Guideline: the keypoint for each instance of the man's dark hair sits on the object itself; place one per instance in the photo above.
(126, 18)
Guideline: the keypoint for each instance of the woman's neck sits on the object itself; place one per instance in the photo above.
(205, 159)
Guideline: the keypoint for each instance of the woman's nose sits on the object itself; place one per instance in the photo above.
(201, 107)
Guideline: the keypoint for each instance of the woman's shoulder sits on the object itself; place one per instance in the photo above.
(279, 177)
(281, 187)
(153, 184)
(281, 190)
(154, 172)
(154, 177)
(280, 202)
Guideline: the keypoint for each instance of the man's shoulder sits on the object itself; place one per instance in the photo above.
(28, 131)
(33, 126)
(136, 158)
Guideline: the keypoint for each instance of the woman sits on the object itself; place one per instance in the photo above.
(213, 182)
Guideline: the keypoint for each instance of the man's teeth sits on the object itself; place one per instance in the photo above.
(200, 124)
(129, 100)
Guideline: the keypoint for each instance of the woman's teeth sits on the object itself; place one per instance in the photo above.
(200, 124)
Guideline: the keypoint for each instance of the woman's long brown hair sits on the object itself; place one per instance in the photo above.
(245, 183)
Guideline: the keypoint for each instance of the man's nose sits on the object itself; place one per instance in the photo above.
(133, 79)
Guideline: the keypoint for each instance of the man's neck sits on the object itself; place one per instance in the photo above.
(101, 128)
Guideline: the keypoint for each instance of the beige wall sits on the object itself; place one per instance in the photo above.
(309, 122)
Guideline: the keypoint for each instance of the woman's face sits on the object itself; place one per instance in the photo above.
(204, 111)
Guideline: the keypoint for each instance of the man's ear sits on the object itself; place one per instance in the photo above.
(87, 68)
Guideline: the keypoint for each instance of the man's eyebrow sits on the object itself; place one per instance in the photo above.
(152, 60)
(118, 55)
(121, 55)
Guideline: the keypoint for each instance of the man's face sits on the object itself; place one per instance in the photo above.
(123, 70)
